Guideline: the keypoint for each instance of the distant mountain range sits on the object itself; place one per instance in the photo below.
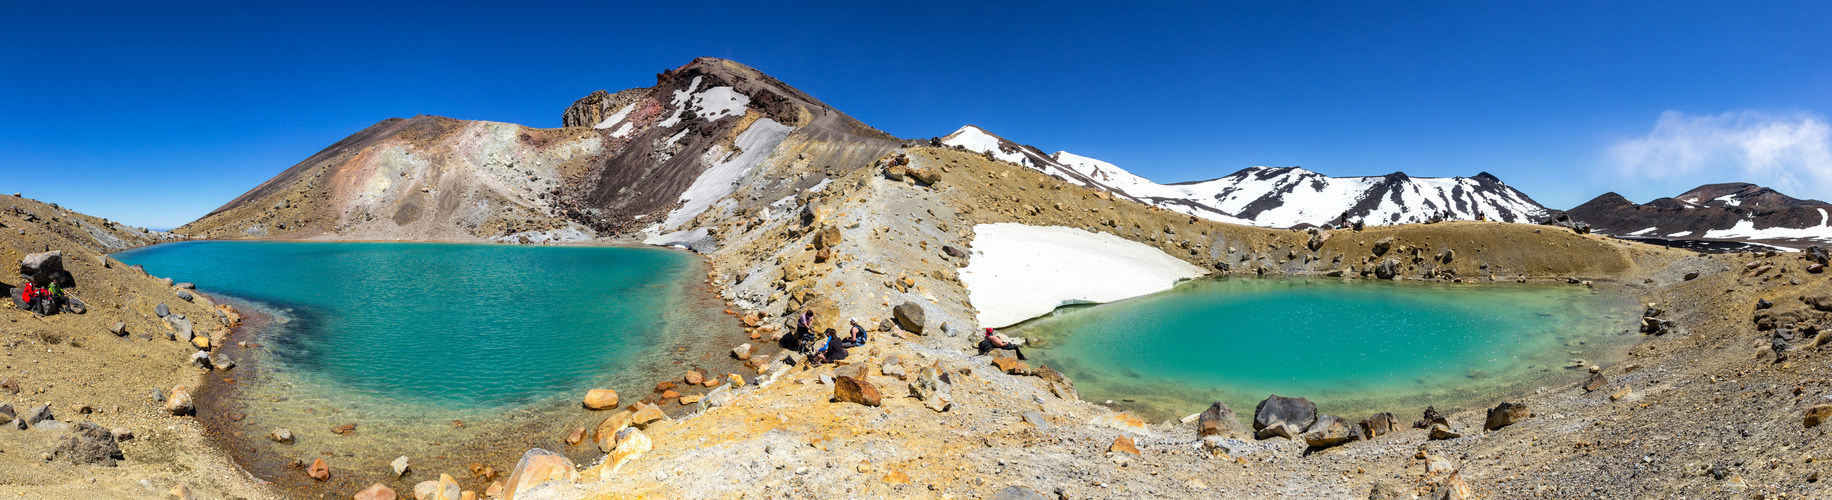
(662, 164)
(1727, 212)
(1278, 196)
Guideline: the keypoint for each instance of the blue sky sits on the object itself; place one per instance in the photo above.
(154, 114)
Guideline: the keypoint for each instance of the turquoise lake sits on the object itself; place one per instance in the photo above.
(1353, 346)
(454, 353)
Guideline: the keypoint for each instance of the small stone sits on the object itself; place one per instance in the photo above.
(378, 491)
(1123, 444)
(693, 377)
(319, 470)
(1597, 381)
(1619, 394)
(399, 465)
(179, 403)
(1817, 414)
(282, 436)
(742, 352)
(1441, 431)
(344, 430)
(119, 329)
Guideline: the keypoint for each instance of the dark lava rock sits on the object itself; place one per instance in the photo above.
(1506, 414)
(1597, 381)
(1382, 245)
(37, 415)
(1432, 417)
(184, 295)
(1282, 416)
(951, 251)
(92, 444)
(1763, 304)
(1375, 426)
(909, 315)
(1691, 276)
(1387, 269)
(1817, 254)
(162, 310)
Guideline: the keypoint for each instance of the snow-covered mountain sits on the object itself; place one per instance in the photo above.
(1714, 212)
(1277, 196)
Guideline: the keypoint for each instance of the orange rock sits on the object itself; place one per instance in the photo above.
(1123, 444)
(646, 414)
(495, 489)
(690, 399)
(693, 377)
(344, 430)
(538, 466)
(601, 399)
(577, 435)
(851, 390)
(605, 434)
(663, 386)
(319, 470)
(376, 492)
(483, 472)
(670, 394)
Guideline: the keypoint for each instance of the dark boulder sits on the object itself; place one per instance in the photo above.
(1817, 254)
(1375, 426)
(162, 310)
(1387, 269)
(951, 251)
(92, 444)
(1763, 304)
(1506, 414)
(1382, 245)
(1597, 381)
(909, 316)
(1431, 417)
(1282, 416)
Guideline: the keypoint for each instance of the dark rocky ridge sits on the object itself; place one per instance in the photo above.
(1691, 215)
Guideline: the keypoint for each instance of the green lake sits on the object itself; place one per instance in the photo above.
(1355, 347)
(459, 351)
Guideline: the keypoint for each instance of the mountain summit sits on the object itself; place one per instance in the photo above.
(1277, 196)
(1729, 212)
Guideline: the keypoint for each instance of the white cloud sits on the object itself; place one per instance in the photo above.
(1789, 152)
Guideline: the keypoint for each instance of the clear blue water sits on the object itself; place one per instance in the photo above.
(1354, 346)
(448, 325)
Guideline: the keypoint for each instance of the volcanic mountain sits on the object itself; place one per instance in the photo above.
(1277, 196)
(640, 163)
(1727, 212)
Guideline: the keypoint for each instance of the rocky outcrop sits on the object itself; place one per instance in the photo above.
(1506, 414)
(1734, 211)
(44, 268)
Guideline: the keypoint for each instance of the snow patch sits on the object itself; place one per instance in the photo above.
(677, 137)
(973, 139)
(725, 167)
(1018, 271)
(1747, 229)
(616, 117)
(623, 131)
(719, 102)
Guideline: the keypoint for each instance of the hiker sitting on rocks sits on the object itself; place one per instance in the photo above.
(57, 299)
(998, 341)
(855, 334)
(818, 348)
(29, 295)
(835, 349)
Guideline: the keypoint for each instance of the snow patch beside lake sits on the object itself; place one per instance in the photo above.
(1018, 272)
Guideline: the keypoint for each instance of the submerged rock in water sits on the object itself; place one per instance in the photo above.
(399, 465)
(1282, 416)
(378, 491)
(600, 399)
(319, 470)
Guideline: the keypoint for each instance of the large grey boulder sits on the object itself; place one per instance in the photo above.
(1382, 245)
(1377, 425)
(161, 310)
(1330, 430)
(1387, 269)
(1282, 416)
(909, 316)
(1219, 420)
(45, 267)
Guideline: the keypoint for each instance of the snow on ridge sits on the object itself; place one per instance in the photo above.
(1277, 196)
(719, 102)
(615, 117)
(1746, 228)
(1020, 271)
